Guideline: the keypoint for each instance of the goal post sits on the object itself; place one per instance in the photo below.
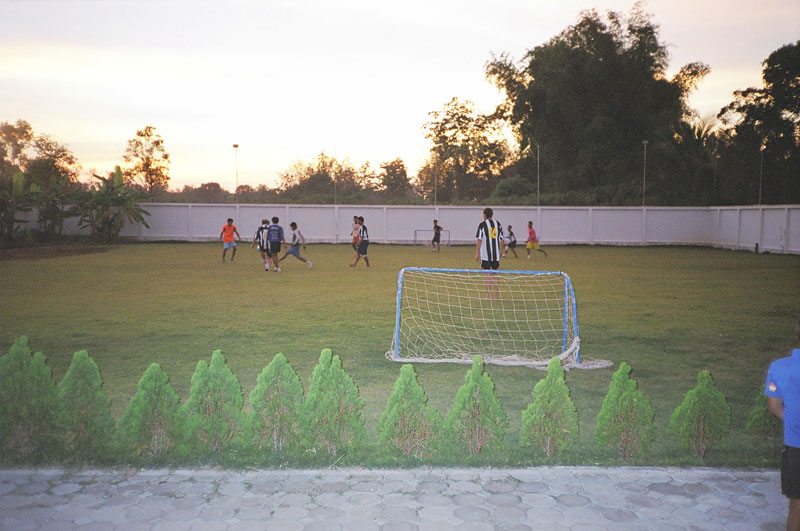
(424, 236)
(508, 317)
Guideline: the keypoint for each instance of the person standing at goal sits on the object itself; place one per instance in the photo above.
(437, 236)
(263, 244)
(783, 401)
(363, 242)
(294, 248)
(228, 240)
(488, 247)
(511, 244)
(533, 241)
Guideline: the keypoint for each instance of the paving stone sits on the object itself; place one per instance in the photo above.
(572, 500)
(496, 487)
(425, 500)
(533, 487)
(468, 500)
(471, 513)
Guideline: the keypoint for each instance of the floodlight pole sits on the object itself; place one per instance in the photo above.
(644, 171)
(435, 181)
(236, 154)
(537, 174)
(760, 174)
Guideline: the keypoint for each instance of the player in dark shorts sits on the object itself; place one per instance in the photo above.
(363, 242)
(275, 237)
(511, 245)
(437, 236)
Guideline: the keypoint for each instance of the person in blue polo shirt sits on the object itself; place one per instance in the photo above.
(783, 400)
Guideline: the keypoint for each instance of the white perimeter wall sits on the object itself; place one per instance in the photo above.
(774, 228)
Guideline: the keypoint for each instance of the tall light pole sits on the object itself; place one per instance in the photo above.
(435, 181)
(761, 173)
(236, 155)
(537, 174)
(644, 170)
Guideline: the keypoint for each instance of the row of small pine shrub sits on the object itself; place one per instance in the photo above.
(72, 423)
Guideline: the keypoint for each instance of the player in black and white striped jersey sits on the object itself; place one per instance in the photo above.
(263, 244)
(489, 243)
(363, 243)
(488, 248)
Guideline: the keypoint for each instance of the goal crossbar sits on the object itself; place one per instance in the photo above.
(510, 317)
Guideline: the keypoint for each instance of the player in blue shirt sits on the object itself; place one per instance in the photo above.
(275, 238)
(783, 400)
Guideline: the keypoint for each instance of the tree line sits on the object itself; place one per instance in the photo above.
(589, 117)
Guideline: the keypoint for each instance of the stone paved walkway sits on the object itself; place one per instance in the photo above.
(549, 498)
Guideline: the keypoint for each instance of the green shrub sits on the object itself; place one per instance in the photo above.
(150, 426)
(213, 412)
(762, 423)
(477, 420)
(331, 413)
(626, 416)
(84, 421)
(28, 400)
(551, 421)
(408, 424)
(273, 423)
(703, 417)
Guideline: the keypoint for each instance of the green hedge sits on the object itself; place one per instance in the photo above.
(71, 423)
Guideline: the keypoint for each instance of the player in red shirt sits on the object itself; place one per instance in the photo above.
(533, 241)
(226, 236)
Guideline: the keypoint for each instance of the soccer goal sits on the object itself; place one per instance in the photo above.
(424, 236)
(508, 317)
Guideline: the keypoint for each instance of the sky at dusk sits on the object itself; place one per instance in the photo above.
(287, 80)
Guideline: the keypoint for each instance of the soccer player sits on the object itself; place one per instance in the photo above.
(511, 245)
(783, 400)
(533, 241)
(437, 236)
(488, 246)
(263, 244)
(275, 238)
(297, 241)
(354, 233)
(363, 242)
(226, 236)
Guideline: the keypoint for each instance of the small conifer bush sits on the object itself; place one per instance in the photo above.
(762, 423)
(703, 417)
(551, 421)
(273, 423)
(409, 425)
(27, 405)
(477, 419)
(213, 412)
(151, 426)
(625, 420)
(331, 411)
(84, 421)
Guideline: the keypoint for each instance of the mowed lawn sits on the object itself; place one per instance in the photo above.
(669, 312)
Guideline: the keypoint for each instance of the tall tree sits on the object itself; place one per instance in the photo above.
(54, 175)
(149, 159)
(591, 95)
(469, 148)
(762, 157)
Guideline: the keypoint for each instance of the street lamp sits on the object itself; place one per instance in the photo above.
(537, 175)
(236, 153)
(761, 173)
(644, 170)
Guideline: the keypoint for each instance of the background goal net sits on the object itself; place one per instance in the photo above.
(508, 317)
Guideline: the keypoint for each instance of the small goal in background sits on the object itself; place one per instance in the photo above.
(424, 237)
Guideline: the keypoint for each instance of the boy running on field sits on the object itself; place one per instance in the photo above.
(297, 241)
(228, 240)
(263, 244)
(275, 238)
(511, 245)
(354, 233)
(533, 241)
(363, 242)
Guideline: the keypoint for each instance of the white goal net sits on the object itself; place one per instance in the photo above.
(508, 317)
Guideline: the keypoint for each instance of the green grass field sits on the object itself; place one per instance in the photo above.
(667, 311)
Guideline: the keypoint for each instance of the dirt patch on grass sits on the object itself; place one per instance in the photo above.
(52, 251)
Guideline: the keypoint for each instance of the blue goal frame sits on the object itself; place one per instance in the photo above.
(569, 297)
